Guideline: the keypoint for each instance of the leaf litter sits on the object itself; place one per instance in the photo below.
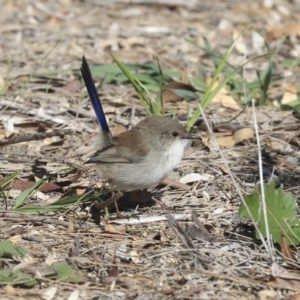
(149, 258)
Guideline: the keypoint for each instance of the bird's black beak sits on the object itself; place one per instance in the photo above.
(191, 137)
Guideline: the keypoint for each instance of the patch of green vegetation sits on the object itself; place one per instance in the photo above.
(9, 250)
(282, 218)
(66, 273)
(16, 278)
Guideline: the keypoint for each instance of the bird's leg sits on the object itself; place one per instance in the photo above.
(117, 208)
(113, 199)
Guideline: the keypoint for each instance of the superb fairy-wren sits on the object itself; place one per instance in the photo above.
(141, 157)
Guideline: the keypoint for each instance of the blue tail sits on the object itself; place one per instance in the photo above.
(91, 88)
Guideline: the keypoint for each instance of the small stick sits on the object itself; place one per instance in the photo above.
(34, 137)
(131, 117)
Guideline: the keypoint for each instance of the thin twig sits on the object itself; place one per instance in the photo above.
(34, 137)
(261, 179)
(131, 117)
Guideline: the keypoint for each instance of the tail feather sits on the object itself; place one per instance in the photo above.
(92, 91)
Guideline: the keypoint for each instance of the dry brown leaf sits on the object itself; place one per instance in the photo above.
(4, 134)
(242, 135)
(223, 98)
(23, 185)
(285, 163)
(72, 86)
(135, 281)
(118, 129)
(113, 272)
(10, 290)
(225, 141)
(267, 295)
(15, 239)
(79, 191)
(228, 141)
(175, 184)
(109, 227)
(286, 250)
(296, 296)
(290, 93)
(277, 145)
(170, 96)
(229, 127)
(285, 29)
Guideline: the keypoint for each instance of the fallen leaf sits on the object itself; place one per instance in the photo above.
(109, 227)
(223, 98)
(290, 94)
(267, 295)
(50, 257)
(296, 296)
(113, 272)
(228, 141)
(118, 129)
(286, 29)
(225, 141)
(10, 290)
(74, 295)
(73, 86)
(170, 94)
(242, 135)
(286, 250)
(15, 239)
(193, 177)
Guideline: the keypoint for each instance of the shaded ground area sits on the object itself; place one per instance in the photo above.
(145, 255)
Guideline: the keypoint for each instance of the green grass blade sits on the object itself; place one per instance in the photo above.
(265, 80)
(10, 179)
(26, 194)
(60, 205)
(161, 88)
(150, 105)
(209, 94)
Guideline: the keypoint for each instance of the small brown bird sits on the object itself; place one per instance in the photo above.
(141, 157)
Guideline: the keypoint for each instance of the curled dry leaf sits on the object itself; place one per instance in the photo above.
(10, 290)
(49, 293)
(286, 29)
(170, 96)
(290, 93)
(50, 257)
(242, 135)
(267, 295)
(193, 177)
(74, 295)
(286, 250)
(72, 86)
(229, 141)
(15, 239)
(137, 281)
(223, 98)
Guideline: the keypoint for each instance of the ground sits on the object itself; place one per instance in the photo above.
(147, 254)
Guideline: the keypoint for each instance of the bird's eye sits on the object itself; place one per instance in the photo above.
(174, 133)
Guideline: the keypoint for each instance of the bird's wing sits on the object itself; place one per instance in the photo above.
(108, 155)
